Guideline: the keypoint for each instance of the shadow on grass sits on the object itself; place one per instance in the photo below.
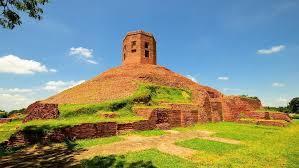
(113, 161)
(41, 156)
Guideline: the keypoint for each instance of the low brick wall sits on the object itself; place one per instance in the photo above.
(5, 120)
(83, 131)
(272, 123)
(39, 110)
(265, 115)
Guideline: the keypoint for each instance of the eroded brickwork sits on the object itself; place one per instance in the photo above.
(39, 110)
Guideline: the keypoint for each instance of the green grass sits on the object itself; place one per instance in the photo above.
(208, 146)
(148, 133)
(147, 158)
(160, 159)
(86, 143)
(7, 129)
(243, 132)
(264, 146)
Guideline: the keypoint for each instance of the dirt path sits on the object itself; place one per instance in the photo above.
(165, 143)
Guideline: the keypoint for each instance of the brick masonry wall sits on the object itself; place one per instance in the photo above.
(233, 106)
(5, 120)
(39, 110)
(265, 115)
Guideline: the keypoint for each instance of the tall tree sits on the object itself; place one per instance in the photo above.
(9, 11)
(294, 105)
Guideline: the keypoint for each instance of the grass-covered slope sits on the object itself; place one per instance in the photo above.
(147, 95)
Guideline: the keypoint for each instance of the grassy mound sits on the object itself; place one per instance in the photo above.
(73, 114)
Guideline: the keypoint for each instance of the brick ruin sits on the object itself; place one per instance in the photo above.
(139, 61)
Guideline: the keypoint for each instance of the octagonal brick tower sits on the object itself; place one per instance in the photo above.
(139, 47)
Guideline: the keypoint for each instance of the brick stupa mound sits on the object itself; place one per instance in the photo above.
(140, 66)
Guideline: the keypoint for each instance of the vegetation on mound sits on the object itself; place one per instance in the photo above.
(250, 97)
(146, 96)
(73, 114)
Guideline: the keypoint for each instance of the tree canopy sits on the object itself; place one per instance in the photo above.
(9, 11)
(294, 105)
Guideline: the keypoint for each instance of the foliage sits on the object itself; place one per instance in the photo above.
(3, 114)
(294, 105)
(280, 109)
(9, 16)
(295, 116)
(17, 111)
(146, 95)
(208, 146)
(250, 97)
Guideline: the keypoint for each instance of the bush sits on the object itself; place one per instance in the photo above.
(3, 114)
(294, 105)
(250, 97)
(296, 116)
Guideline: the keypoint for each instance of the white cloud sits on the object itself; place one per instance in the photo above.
(53, 70)
(92, 61)
(84, 53)
(15, 90)
(223, 78)
(16, 65)
(59, 86)
(277, 84)
(272, 50)
(192, 78)
(13, 101)
(80, 51)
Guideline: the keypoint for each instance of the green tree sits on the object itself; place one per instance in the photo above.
(9, 11)
(294, 105)
(3, 114)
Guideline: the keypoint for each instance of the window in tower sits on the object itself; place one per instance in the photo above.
(146, 54)
(133, 44)
(146, 45)
(134, 50)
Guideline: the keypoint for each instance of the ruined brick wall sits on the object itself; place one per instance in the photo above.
(233, 106)
(39, 110)
(216, 110)
(82, 131)
(5, 120)
(139, 48)
(265, 115)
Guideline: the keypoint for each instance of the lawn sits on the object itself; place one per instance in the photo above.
(208, 146)
(86, 143)
(262, 146)
(147, 159)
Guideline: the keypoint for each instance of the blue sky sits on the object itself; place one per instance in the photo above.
(237, 47)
